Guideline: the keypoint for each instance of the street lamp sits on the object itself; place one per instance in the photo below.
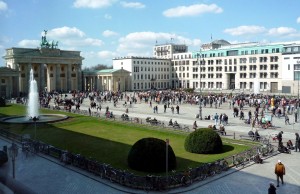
(13, 153)
(34, 120)
(200, 103)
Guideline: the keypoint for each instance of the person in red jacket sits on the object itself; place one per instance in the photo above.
(279, 171)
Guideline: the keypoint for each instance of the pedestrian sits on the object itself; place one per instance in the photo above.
(195, 126)
(279, 171)
(172, 109)
(296, 114)
(279, 138)
(297, 142)
(287, 120)
(177, 109)
(272, 189)
(216, 118)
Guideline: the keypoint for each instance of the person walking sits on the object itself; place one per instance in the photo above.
(216, 118)
(279, 171)
(297, 142)
(279, 138)
(272, 189)
(177, 109)
(287, 120)
(296, 114)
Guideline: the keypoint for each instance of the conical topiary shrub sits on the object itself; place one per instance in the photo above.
(203, 141)
(149, 155)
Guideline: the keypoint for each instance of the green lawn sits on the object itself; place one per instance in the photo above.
(109, 141)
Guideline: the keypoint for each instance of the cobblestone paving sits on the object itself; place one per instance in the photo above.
(47, 177)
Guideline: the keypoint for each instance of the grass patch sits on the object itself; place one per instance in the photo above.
(110, 141)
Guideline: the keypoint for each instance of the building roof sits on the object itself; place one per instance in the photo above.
(108, 70)
(221, 42)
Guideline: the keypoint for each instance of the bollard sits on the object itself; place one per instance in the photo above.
(233, 135)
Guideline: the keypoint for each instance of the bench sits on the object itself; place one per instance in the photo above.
(247, 137)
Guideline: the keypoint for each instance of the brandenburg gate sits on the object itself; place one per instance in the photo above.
(54, 69)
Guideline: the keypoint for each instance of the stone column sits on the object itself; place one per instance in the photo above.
(69, 78)
(79, 77)
(42, 78)
(27, 77)
(102, 83)
(57, 77)
(112, 83)
(84, 83)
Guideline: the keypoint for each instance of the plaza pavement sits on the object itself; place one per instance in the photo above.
(46, 175)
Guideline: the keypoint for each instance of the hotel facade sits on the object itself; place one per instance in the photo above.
(273, 67)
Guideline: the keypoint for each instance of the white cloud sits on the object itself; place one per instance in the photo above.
(136, 5)
(107, 16)
(71, 38)
(65, 32)
(245, 30)
(106, 54)
(109, 33)
(141, 43)
(93, 3)
(192, 10)
(298, 20)
(281, 31)
(3, 6)
(29, 43)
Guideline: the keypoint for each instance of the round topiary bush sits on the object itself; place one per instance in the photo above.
(203, 141)
(149, 155)
(3, 158)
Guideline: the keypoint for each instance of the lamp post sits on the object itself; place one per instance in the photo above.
(34, 120)
(200, 102)
(13, 153)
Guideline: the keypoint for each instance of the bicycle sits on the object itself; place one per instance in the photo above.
(186, 178)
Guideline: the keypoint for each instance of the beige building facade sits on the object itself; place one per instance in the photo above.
(9, 82)
(107, 80)
(54, 69)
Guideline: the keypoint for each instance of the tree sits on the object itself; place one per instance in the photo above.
(203, 141)
(149, 155)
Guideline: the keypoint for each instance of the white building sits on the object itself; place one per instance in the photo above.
(146, 72)
(273, 68)
(166, 51)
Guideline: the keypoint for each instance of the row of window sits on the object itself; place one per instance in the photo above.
(243, 52)
(151, 62)
(149, 85)
(139, 68)
(219, 85)
(150, 76)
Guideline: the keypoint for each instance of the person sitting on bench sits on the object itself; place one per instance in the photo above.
(257, 136)
(222, 130)
(170, 122)
(251, 134)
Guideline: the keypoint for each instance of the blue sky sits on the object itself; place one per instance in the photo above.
(104, 29)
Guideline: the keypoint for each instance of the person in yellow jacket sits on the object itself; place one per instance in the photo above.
(279, 171)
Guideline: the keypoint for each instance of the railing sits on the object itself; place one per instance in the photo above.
(149, 182)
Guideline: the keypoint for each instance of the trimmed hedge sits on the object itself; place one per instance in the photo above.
(203, 141)
(149, 155)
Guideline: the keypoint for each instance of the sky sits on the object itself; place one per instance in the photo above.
(105, 29)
